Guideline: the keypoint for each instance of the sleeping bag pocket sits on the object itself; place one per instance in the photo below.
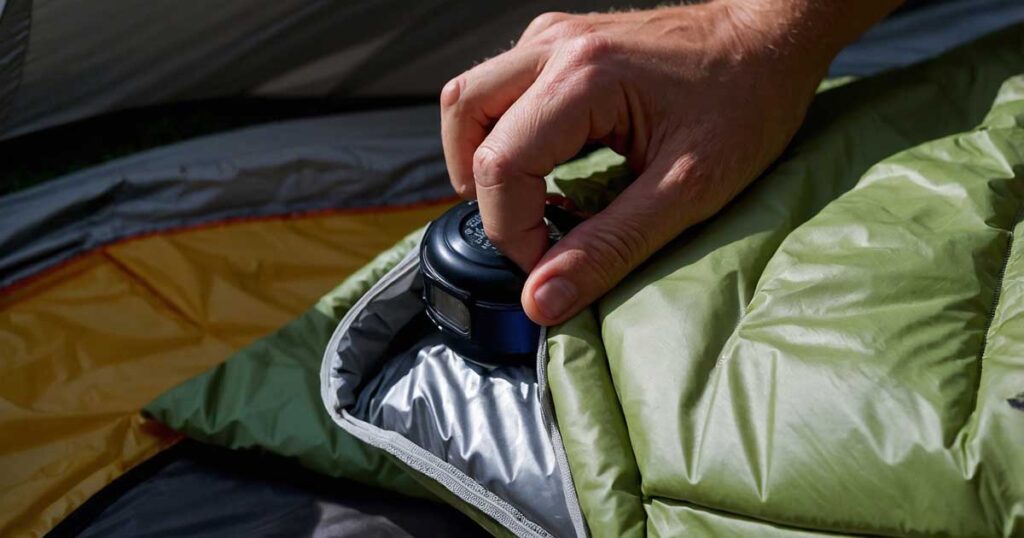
(484, 433)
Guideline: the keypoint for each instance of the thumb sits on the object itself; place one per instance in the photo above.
(600, 252)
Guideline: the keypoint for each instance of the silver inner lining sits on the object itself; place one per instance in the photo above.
(397, 375)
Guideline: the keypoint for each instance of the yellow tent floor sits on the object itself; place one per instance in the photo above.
(85, 345)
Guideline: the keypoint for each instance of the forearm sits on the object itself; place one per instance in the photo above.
(815, 30)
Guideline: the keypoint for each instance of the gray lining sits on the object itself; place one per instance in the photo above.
(485, 434)
(366, 160)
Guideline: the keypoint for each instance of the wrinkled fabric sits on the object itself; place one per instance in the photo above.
(819, 367)
(119, 54)
(367, 161)
(85, 346)
(15, 26)
(484, 421)
(923, 31)
(203, 491)
(837, 353)
(387, 367)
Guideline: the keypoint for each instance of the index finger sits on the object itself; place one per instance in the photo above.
(550, 123)
(471, 102)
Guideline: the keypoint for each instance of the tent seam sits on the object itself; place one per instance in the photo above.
(162, 298)
(54, 266)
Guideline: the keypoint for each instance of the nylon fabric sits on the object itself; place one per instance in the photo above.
(670, 518)
(203, 491)
(593, 429)
(215, 408)
(131, 54)
(924, 32)
(834, 354)
(378, 48)
(354, 161)
(486, 423)
(86, 345)
(15, 25)
(883, 298)
(468, 414)
(664, 327)
(823, 381)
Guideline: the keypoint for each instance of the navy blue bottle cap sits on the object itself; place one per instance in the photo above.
(472, 291)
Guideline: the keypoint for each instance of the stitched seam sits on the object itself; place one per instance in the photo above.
(52, 266)
(761, 520)
(997, 293)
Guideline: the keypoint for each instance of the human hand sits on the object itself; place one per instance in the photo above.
(700, 99)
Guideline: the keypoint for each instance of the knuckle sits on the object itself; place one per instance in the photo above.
(547, 20)
(694, 184)
(452, 91)
(464, 190)
(496, 237)
(588, 49)
(490, 167)
(551, 28)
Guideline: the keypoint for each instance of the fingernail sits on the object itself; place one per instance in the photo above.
(555, 297)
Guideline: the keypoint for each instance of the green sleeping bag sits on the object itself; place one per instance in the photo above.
(839, 352)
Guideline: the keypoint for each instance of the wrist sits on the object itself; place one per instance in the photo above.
(806, 34)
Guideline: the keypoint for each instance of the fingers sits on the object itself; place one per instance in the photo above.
(471, 102)
(552, 120)
(601, 251)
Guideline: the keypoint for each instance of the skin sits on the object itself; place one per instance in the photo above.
(700, 99)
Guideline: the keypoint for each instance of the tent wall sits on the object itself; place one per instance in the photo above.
(85, 59)
(89, 58)
(123, 280)
(366, 160)
(15, 21)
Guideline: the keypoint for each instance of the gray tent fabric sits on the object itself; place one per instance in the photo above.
(15, 23)
(922, 33)
(366, 160)
(359, 160)
(105, 55)
(198, 490)
(88, 58)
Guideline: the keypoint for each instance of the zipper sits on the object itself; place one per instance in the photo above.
(547, 414)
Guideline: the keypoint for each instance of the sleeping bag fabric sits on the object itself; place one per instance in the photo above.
(839, 352)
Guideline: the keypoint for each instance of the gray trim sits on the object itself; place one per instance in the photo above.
(353, 161)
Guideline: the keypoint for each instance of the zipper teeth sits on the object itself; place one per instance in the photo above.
(429, 464)
(547, 414)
